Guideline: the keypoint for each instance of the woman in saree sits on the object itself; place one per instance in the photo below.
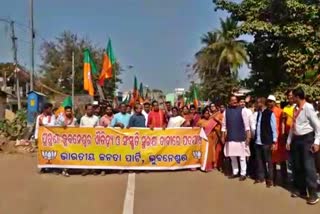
(187, 116)
(218, 158)
(175, 120)
(208, 123)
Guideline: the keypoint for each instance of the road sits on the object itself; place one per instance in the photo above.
(24, 191)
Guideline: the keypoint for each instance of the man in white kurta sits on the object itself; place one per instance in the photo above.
(236, 133)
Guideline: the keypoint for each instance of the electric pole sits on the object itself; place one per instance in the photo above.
(15, 60)
(32, 46)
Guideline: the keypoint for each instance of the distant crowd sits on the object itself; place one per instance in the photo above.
(247, 138)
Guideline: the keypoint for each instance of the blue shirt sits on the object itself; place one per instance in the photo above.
(137, 120)
(273, 128)
(120, 118)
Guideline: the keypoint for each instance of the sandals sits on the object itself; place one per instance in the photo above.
(65, 173)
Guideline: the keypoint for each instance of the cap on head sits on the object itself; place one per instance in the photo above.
(272, 98)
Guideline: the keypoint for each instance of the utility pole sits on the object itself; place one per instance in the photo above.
(73, 104)
(32, 46)
(15, 60)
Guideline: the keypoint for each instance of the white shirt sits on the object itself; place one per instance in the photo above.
(61, 120)
(46, 121)
(89, 121)
(145, 114)
(306, 122)
(175, 122)
(253, 123)
(248, 111)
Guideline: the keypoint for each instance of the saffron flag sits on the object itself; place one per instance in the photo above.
(89, 68)
(195, 98)
(135, 93)
(108, 62)
(180, 103)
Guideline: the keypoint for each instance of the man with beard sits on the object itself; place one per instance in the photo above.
(106, 119)
(122, 118)
(157, 118)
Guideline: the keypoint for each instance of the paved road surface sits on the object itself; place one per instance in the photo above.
(24, 191)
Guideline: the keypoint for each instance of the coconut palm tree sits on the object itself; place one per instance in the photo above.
(223, 53)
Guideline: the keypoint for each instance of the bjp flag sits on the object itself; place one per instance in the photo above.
(108, 63)
(89, 68)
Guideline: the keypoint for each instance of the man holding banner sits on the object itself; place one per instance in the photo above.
(89, 120)
(122, 118)
(65, 120)
(157, 118)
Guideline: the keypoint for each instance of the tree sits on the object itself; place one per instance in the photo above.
(217, 63)
(286, 39)
(56, 64)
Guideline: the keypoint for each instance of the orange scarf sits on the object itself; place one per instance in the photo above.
(154, 118)
(42, 116)
(68, 121)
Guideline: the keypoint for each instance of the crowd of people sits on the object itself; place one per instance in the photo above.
(247, 138)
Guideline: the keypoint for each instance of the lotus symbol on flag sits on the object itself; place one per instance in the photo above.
(49, 155)
(196, 154)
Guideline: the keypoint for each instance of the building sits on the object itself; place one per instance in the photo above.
(8, 86)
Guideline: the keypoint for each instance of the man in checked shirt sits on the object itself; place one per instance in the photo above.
(303, 143)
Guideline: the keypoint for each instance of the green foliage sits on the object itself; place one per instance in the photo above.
(57, 63)
(217, 63)
(16, 128)
(286, 39)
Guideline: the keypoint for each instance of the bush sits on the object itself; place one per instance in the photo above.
(16, 128)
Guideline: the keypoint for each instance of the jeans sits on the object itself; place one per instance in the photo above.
(264, 165)
(303, 164)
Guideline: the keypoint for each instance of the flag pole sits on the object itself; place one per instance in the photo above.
(73, 80)
(115, 81)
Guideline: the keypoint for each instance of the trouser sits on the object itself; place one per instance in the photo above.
(317, 157)
(235, 165)
(283, 172)
(303, 164)
(251, 169)
(264, 165)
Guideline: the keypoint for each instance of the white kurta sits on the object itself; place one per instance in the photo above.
(46, 121)
(236, 149)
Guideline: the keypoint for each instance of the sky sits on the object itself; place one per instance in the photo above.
(157, 37)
